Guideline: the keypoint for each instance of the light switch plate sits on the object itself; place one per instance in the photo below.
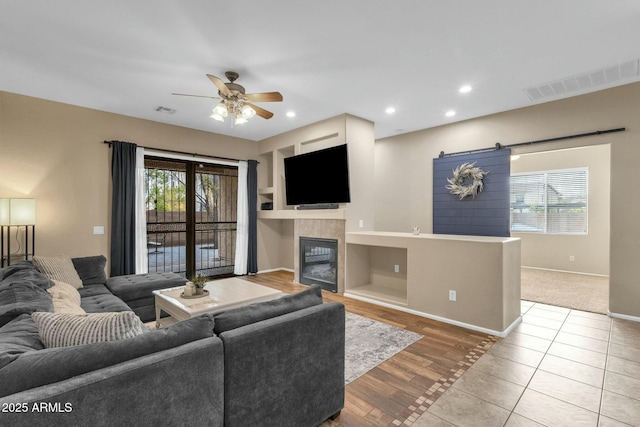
(98, 229)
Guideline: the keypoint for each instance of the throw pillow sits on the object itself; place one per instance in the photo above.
(257, 312)
(64, 291)
(91, 269)
(66, 298)
(58, 268)
(65, 330)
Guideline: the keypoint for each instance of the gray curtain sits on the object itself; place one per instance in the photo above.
(123, 201)
(252, 189)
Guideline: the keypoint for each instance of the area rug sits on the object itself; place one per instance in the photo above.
(369, 343)
(570, 290)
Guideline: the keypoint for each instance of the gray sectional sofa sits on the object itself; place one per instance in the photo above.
(275, 363)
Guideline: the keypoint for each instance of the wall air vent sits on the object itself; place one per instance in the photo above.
(165, 110)
(594, 80)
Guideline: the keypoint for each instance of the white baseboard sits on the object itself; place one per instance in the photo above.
(565, 271)
(500, 334)
(623, 316)
(271, 270)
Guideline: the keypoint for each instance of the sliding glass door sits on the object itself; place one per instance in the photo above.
(191, 217)
(216, 193)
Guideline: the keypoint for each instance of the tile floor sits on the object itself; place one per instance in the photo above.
(559, 367)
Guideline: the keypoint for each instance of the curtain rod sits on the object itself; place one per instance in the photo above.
(498, 146)
(183, 153)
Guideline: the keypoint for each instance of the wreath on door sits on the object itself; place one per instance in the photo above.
(466, 180)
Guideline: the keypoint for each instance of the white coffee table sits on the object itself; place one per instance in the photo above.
(224, 294)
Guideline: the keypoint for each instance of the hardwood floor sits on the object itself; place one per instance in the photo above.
(403, 387)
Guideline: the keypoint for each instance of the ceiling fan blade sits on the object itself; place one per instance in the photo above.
(260, 111)
(264, 97)
(220, 85)
(197, 96)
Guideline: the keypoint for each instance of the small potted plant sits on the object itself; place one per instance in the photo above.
(199, 282)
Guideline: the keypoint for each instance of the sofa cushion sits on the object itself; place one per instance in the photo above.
(257, 312)
(18, 336)
(91, 269)
(66, 330)
(24, 271)
(58, 268)
(98, 299)
(22, 298)
(136, 286)
(56, 364)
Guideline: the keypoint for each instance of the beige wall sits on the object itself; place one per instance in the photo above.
(404, 169)
(591, 251)
(54, 153)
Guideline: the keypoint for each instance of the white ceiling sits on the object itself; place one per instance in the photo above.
(326, 57)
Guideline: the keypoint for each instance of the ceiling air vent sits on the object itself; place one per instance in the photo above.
(593, 80)
(161, 109)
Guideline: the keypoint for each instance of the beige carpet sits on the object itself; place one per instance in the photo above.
(576, 291)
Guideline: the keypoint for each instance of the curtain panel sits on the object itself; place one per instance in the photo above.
(242, 224)
(142, 261)
(123, 202)
(252, 197)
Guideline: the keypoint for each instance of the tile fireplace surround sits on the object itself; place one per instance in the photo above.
(324, 229)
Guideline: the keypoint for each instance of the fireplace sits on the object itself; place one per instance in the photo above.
(319, 262)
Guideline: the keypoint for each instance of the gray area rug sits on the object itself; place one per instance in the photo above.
(570, 290)
(369, 343)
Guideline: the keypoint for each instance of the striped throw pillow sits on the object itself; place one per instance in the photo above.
(64, 330)
(58, 268)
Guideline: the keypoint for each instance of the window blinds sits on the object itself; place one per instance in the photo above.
(553, 202)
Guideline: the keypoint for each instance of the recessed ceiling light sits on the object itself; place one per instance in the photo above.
(465, 89)
(291, 114)
(390, 110)
(450, 113)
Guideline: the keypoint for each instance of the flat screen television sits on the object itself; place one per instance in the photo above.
(319, 177)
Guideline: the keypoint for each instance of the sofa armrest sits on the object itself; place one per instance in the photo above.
(179, 386)
(290, 368)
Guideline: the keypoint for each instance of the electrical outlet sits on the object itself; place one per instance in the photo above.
(98, 229)
(396, 268)
(361, 223)
(572, 258)
(452, 295)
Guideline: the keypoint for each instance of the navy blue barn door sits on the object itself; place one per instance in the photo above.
(486, 214)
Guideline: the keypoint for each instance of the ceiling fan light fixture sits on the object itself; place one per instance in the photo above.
(247, 112)
(217, 117)
(235, 102)
(220, 110)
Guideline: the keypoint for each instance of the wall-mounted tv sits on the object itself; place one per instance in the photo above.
(318, 177)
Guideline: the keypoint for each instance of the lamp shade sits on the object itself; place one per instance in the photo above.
(17, 211)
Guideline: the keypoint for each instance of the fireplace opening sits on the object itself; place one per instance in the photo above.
(319, 262)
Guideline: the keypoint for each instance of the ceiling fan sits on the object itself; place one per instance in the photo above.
(235, 101)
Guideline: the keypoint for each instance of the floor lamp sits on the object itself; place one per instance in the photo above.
(18, 214)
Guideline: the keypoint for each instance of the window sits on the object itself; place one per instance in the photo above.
(550, 202)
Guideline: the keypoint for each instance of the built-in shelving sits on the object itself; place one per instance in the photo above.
(303, 214)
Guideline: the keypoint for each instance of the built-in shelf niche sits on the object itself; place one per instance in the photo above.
(377, 272)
